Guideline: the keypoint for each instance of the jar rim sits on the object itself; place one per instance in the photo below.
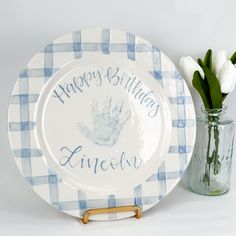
(214, 111)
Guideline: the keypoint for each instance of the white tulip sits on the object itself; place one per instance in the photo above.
(227, 77)
(187, 67)
(218, 60)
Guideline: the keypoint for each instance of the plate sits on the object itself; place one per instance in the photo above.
(101, 118)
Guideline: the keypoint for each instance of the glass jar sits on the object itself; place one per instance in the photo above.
(210, 168)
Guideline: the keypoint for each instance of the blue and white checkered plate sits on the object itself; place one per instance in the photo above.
(101, 118)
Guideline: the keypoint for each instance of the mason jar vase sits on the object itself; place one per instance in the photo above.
(210, 167)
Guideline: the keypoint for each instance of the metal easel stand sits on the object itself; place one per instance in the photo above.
(85, 219)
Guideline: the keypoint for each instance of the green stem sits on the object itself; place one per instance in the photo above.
(206, 178)
(212, 159)
(216, 158)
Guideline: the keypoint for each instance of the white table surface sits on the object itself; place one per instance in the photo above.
(183, 27)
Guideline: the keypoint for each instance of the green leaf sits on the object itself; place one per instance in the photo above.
(216, 192)
(202, 89)
(233, 58)
(224, 95)
(208, 59)
(214, 86)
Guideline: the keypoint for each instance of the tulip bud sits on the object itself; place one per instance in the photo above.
(227, 77)
(218, 60)
(187, 67)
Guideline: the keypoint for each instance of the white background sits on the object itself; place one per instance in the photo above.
(183, 27)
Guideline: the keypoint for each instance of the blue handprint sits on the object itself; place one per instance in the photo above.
(107, 124)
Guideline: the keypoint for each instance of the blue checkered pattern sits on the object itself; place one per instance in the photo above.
(29, 157)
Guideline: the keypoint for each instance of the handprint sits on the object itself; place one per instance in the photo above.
(107, 124)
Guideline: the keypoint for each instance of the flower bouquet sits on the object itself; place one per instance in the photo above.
(214, 78)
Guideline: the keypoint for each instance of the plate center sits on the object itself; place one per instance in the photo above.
(103, 126)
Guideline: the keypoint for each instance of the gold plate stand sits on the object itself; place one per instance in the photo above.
(138, 212)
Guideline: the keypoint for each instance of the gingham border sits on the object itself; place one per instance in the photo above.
(48, 184)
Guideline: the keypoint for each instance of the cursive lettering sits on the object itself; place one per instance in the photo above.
(77, 158)
(114, 76)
